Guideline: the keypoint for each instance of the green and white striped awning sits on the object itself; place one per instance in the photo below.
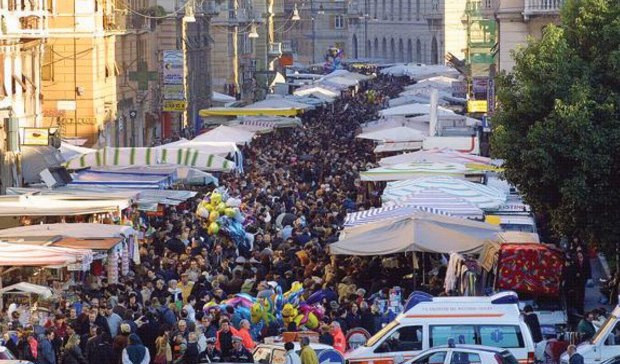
(151, 156)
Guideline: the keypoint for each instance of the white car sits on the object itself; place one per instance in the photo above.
(464, 354)
(6, 357)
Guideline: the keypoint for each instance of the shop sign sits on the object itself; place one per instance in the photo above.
(174, 105)
(174, 92)
(477, 106)
(173, 67)
(35, 136)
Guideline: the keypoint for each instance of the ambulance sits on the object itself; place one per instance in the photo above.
(428, 321)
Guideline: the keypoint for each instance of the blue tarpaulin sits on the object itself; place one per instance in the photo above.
(124, 179)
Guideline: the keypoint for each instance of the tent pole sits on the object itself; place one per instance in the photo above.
(423, 268)
(413, 270)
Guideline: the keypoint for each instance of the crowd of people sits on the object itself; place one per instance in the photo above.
(156, 313)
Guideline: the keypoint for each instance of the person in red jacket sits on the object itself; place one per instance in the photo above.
(340, 343)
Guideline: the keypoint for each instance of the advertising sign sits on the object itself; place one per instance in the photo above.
(173, 67)
(477, 106)
(35, 136)
(174, 105)
(174, 92)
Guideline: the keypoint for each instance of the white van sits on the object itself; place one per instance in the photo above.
(604, 345)
(429, 321)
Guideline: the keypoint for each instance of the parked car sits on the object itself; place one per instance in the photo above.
(6, 357)
(464, 354)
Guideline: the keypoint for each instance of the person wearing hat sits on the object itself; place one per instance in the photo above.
(239, 354)
(211, 353)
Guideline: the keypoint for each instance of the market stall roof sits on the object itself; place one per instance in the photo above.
(222, 98)
(407, 171)
(420, 71)
(279, 102)
(421, 231)
(484, 197)
(270, 121)
(122, 180)
(70, 151)
(27, 288)
(436, 82)
(412, 99)
(510, 237)
(435, 155)
(347, 74)
(397, 147)
(413, 109)
(35, 159)
(151, 156)
(321, 91)
(242, 111)
(442, 202)
(225, 133)
(29, 205)
(181, 173)
(218, 148)
(445, 118)
(77, 230)
(28, 255)
(396, 134)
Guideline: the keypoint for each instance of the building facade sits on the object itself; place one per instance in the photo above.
(23, 29)
(322, 25)
(517, 20)
(419, 31)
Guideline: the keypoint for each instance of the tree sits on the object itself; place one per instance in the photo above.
(558, 123)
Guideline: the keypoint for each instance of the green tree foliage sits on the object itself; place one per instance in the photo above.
(558, 124)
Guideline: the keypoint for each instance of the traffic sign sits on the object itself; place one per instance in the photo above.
(330, 356)
(133, 114)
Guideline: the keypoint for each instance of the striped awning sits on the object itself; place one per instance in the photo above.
(387, 213)
(443, 202)
(481, 196)
(151, 156)
(407, 171)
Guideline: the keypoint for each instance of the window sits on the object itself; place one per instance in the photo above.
(408, 9)
(614, 336)
(384, 10)
(417, 9)
(462, 334)
(47, 69)
(501, 336)
(459, 357)
(376, 8)
(404, 339)
(437, 357)
(339, 22)
(400, 9)
(391, 9)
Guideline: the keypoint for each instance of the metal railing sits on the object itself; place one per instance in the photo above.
(535, 7)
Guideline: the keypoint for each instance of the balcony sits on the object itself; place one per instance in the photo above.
(542, 7)
(25, 19)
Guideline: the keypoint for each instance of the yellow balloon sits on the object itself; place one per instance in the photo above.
(229, 212)
(213, 216)
(221, 207)
(216, 198)
(209, 207)
(214, 228)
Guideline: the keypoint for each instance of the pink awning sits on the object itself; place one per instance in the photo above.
(32, 255)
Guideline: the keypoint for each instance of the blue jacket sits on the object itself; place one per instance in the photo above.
(45, 352)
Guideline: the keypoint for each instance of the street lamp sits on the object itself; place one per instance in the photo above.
(295, 16)
(253, 33)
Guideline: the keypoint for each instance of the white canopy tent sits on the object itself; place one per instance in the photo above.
(435, 156)
(25, 288)
(225, 133)
(41, 256)
(81, 230)
(320, 91)
(420, 231)
(413, 109)
(397, 147)
(407, 171)
(396, 134)
(218, 148)
(49, 205)
(222, 98)
(484, 197)
(70, 151)
(279, 102)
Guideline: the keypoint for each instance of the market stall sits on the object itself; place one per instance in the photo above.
(395, 134)
(435, 156)
(224, 133)
(408, 171)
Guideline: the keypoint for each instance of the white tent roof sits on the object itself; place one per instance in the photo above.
(419, 231)
(218, 148)
(34, 255)
(317, 91)
(57, 206)
(397, 147)
(482, 196)
(25, 287)
(279, 102)
(396, 134)
(70, 151)
(225, 134)
(412, 99)
(434, 155)
(437, 82)
(347, 74)
(413, 109)
(339, 81)
(81, 230)
(222, 98)
(447, 118)
(407, 171)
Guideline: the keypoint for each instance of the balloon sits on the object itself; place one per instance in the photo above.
(214, 228)
(213, 216)
(229, 212)
(221, 207)
(202, 212)
(233, 202)
(216, 198)
(239, 217)
(209, 207)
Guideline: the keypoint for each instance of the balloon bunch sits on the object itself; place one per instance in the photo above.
(215, 210)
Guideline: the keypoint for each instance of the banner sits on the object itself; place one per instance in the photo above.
(173, 67)
(174, 92)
